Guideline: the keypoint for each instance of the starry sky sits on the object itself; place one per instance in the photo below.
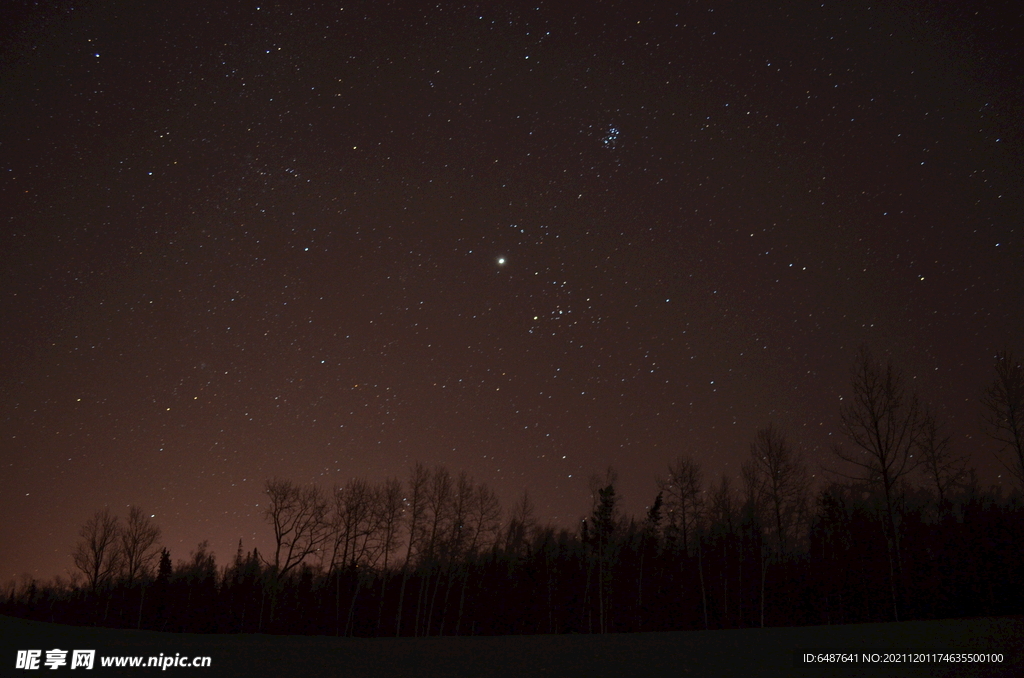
(321, 241)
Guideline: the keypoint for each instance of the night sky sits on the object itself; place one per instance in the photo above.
(524, 241)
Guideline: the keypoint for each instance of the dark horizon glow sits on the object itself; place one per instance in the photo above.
(523, 242)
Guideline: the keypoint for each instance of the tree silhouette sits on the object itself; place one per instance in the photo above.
(138, 543)
(648, 536)
(781, 481)
(416, 504)
(755, 513)
(520, 523)
(612, 576)
(351, 533)
(601, 538)
(723, 516)
(98, 554)
(297, 516)
(683, 490)
(943, 468)
(348, 525)
(883, 420)
(438, 502)
(486, 518)
(1004, 411)
(389, 518)
(165, 567)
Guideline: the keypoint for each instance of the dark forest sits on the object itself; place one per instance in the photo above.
(900, 530)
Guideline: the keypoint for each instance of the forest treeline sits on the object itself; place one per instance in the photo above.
(901, 530)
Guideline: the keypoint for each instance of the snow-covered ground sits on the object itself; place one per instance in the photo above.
(748, 652)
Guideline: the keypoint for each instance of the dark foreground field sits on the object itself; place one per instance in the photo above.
(751, 652)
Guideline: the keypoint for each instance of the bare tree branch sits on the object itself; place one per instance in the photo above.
(943, 468)
(1004, 411)
(298, 517)
(388, 517)
(683, 490)
(98, 555)
(781, 480)
(883, 420)
(138, 544)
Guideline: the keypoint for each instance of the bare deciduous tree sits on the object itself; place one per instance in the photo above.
(455, 548)
(755, 515)
(486, 518)
(437, 502)
(883, 420)
(461, 525)
(943, 468)
(349, 524)
(521, 522)
(1004, 411)
(355, 527)
(683, 491)
(138, 544)
(298, 517)
(723, 505)
(781, 480)
(776, 484)
(388, 517)
(416, 503)
(723, 515)
(98, 555)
